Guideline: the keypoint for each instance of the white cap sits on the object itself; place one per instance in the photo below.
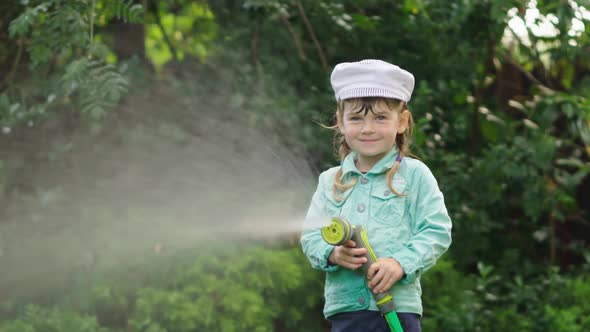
(371, 78)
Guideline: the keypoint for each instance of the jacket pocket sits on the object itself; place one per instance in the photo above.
(387, 207)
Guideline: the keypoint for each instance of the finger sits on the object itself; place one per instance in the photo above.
(350, 244)
(354, 260)
(354, 251)
(350, 265)
(376, 279)
(385, 284)
(371, 271)
(379, 277)
(357, 251)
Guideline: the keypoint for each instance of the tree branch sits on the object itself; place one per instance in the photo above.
(535, 54)
(311, 32)
(92, 24)
(254, 44)
(286, 22)
(552, 241)
(530, 76)
(166, 38)
(15, 64)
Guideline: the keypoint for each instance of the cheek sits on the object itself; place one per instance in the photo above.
(347, 129)
(394, 129)
(347, 135)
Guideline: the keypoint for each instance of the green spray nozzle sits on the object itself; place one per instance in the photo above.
(337, 233)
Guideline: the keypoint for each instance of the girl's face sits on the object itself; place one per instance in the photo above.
(371, 132)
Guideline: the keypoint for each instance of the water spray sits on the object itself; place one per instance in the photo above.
(337, 233)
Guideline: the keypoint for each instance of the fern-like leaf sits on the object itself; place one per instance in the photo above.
(127, 11)
(75, 73)
(63, 28)
(21, 25)
(98, 86)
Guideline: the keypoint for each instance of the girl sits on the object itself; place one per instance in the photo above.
(395, 197)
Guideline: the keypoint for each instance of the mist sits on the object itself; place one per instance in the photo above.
(163, 173)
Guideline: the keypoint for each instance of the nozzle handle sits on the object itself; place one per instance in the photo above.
(337, 233)
(359, 236)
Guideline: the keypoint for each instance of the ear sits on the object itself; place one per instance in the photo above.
(403, 121)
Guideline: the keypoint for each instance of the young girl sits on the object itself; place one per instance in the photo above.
(395, 197)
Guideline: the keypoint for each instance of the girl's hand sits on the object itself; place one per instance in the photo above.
(383, 274)
(348, 256)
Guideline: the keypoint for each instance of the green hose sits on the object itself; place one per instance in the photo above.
(393, 322)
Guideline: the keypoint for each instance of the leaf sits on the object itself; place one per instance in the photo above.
(126, 10)
(484, 270)
(20, 26)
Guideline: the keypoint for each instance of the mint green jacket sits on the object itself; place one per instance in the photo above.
(415, 229)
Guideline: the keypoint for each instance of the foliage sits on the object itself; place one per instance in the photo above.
(188, 32)
(231, 289)
(36, 319)
(59, 38)
(259, 289)
(257, 285)
(124, 10)
(99, 86)
(570, 311)
(492, 302)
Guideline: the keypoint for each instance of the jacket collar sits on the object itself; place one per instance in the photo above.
(383, 165)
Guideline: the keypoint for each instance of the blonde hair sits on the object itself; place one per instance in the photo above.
(402, 141)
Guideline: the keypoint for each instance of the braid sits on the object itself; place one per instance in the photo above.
(343, 148)
(390, 175)
(340, 187)
(402, 141)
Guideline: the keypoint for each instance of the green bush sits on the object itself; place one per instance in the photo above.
(449, 304)
(37, 319)
(491, 302)
(570, 312)
(272, 289)
(254, 289)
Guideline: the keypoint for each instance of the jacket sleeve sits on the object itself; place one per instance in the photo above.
(431, 226)
(314, 247)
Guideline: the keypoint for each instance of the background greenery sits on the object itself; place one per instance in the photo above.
(502, 119)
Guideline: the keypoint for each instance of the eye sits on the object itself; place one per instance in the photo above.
(381, 117)
(354, 118)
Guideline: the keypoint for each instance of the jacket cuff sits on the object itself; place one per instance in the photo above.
(323, 262)
(411, 269)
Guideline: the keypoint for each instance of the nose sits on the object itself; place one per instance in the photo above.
(368, 126)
